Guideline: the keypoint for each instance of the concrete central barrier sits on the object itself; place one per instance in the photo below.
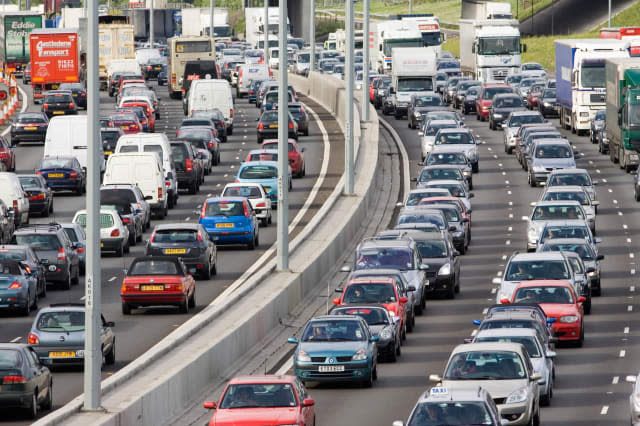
(159, 384)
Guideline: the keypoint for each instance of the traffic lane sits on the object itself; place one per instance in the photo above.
(502, 197)
(135, 336)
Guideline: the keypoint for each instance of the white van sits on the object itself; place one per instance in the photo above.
(249, 73)
(143, 169)
(123, 65)
(212, 94)
(274, 57)
(14, 197)
(67, 135)
(154, 142)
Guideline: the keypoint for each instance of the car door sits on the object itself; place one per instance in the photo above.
(106, 336)
(72, 253)
(401, 292)
(39, 374)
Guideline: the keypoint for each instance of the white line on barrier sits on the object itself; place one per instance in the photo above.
(406, 179)
(288, 364)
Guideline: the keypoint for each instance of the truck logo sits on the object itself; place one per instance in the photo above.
(53, 48)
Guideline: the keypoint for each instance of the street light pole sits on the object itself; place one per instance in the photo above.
(283, 144)
(312, 37)
(151, 25)
(265, 32)
(365, 62)
(609, 14)
(212, 32)
(93, 287)
(348, 77)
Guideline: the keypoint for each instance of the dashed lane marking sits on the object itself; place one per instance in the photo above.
(605, 410)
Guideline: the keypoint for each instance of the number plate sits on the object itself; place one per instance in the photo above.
(62, 354)
(125, 127)
(330, 368)
(175, 251)
(53, 175)
(101, 245)
(152, 287)
(273, 126)
(224, 225)
(58, 112)
(108, 152)
(31, 128)
(158, 68)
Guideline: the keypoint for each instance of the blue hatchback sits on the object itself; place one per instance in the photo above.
(62, 172)
(230, 220)
(336, 349)
(264, 173)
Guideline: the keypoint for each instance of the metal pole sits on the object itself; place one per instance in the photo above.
(348, 77)
(532, 17)
(151, 25)
(265, 32)
(609, 14)
(312, 37)
(553, 13)
(93, 286)
(283, 144)
(212, 8)
(365, 62)
(410, 7)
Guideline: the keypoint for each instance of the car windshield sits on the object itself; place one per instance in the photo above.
(384, 258)
(414, 198)
(195, 133)
(455, 190)
(494, 365)
(529, 342)
(519, 120)
(10, 359)
(508, 102)
(432, 249)
(442, 115)
(580, 197)
(583, 250)
(373, 316)
(109, 136)
(38, 242)
(153, 267)
(551, 232)
(446, 158)
(527, 270)
(31, 118)
(565, 179)
(489, 93)
(473, 91)
(549, 94)
(8, 254)
(450, 413)
(557, 212)
(432, 129)
(28, 182)
(338, 330)
(440, 174)
(553, 151)
(544, 294)
(263, 156)
(422, 218)
(259, 395)
(175, 236)
(369, 293)
(61, 321)
(427, 101)
(258, 172)
(56, 163)
(461, 138)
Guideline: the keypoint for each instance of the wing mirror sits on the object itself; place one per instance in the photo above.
(423, 267)
(496, 280)
(110, 324)
(411, 288)
(336, 301)
(345, 268)
(535, 377)
(308, 402)
(292, 340)
(210, 405)
(582, 299)
(505, 301)
(595, 203)
(471, 195)
(374, 339)
(477, 322)
(452, 229)
(551, 354)
(404, 300)
(600, 257)
(435, 378)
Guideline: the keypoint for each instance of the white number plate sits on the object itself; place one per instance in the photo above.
(330, 368)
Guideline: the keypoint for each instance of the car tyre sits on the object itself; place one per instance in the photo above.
(206, 273)
(76, 279)
(192, 299)
(580, 341)
(120, 251)
(475, 167)
(451, 293)
(48, 403)
(126, 309)
(66, 285)
(33, 408)
(264, 222)
(110, 358)
(393, 354)
(184, 306)
(545, 400)
(368, 382)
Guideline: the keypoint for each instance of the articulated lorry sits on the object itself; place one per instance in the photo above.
(254, 24)
(429, 27)
(198, 22)
(55, 59)
(388, 35)
(623, 110)
(116, 42)
(413, 70)
(480, 9)
(15, 28)
(580, 78)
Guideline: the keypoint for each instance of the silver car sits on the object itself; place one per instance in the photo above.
(515, 120)
(575, 193)
(544, 211)
(634, 400)
(460, 140)
(581, 177)
(546, 155)
(428, 134)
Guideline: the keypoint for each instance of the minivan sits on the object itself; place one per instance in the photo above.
(143, 169)
(154, 142)
(212, 94)
(247, 74)
(66, 137)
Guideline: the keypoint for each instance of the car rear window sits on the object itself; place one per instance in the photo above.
(259, 172)
(61, 321)
(179, 153)
(154, 148)
(10, 358)
(194, 122)
(112, 196)
(71, 233)
(31, 118)
(274, 146)
(195, 133)
(106, 220)
(108, 136)
(242, 191)
(225, 208)
(175, 236)
(153, 267)
(30, 183)
(38, 241)
(56, 163)
(51, 99)
(19, 254)
(263, 157)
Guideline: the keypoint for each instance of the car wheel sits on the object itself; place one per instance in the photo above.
(264, 222)
(192, 299)
(393, 354)
(206, 272)
(410, 320)
(48, 403)
(33, 408)
(545, 400)
(252, 244)
(51, 207)
(126, 309)
(587, 306)
(76, 279)
(457, 287)
(120, 251)
(475, 167)
(214, 269)
(110, 358)
(368, 382)
(66, 285)
(43, 292)
(451, 293)
(184, 306)
(580, 341)
(26, 311)
(132, 239)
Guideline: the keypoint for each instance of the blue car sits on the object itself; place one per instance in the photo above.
(230, 220)
(18, 287)
(336, 349)
(62, 173)
(264, 173)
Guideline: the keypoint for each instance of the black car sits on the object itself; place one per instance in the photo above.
(268, 126)
(441, 260)
(216, 116)
(420, 105)
(188, 166)
(59, 103)
(26, 383)
(379, 86)
(30, 260)
(253, 90)
(162, 76)
(189, 241)
(597, 124)
(602, 140)
(63, 173)
(461, 91)
(503, 105)
(547, 103)
(40, 195)
(29, 126)
(78, 92)
(469, 101)
(152, 68)
(299, 114)
(55, 250)
(110, 136)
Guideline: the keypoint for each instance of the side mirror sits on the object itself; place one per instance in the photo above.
(597, 240)
(456, 253)
(551, 354)
(467, 340)
(397, 423)
(600, 257)
(210, 405)
(345, 268)
(496, 280)
(157, 115)
(435, 378)
(533, 203)
(477, 322)
(423, 267)
(308, 402)
(505, 301)
(631, 379)
(148, 197)
(110, 324)
(589, 270)
(595, 182)
(470, 195)
(292, 340)
(535, 377)
(619, 118)
(595, 203)
(336, 301)
(420, 134)
(452, 229)
(525, 218)
(404, 300)
(413, 179)
(374, 339)
(339, 290)
(258, 119)
(582, 299)
(392, 90)
(473, 48)
(411, 288)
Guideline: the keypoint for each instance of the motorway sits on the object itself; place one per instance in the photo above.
(140, 331)
(590, 387)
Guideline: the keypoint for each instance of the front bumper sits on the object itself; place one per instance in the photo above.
(517, 414)
(566, 331)
(356, 371)
(439, 284)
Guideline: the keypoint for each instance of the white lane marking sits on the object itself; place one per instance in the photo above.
(605, 410)
(597, 170)
(619, 213)
(499, 273)
(495, 156)
(499, 164)
(82, 298)
(188, 218)
(633, 272)
(604, 180)
(484, 311)
(489, 148)
(16, 340)
(508, 242)
(112, 279)
(504, 173)
(623, 353)
(493, 290)
(510, 215)
(288, 364)
(624, 226)
(615, 380)
(628, 240)
(610, 190)
(474, 332)
(632, 288)
(509, 192)
(630, 308)
(631, 255)
(510, 203)
(626, 330)
(590, 162)
(504, 257)
(510, 228)
(209, 194)
(225, 175)
(615, 201)
(506, 182)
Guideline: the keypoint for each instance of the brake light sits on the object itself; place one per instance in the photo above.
(251, 92)
(261, 205)
(159, 192)
(13, 380)
(212, 144)
(148, 67)
(38, 172)
(246, 209)
(115, 233)
(231, 113)
(33, 339)
(199, 236)
(73, 175)
(126, 220)
(15, 206)
(167, 183)
(153, 235)
(188, 165)
(61, 254)
(45, 106)
(260, 126)
(290, 125)
(80, 250)
(15, 285)
(4, 155)
(204, 209)
(83, 94)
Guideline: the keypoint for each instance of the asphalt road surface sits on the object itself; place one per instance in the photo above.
(138, 332)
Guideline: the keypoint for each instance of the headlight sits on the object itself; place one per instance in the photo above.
(303, 357)
(593, 274)
(633, 157)
(380, 92)
(569, 319)
(361, 355)
(445, 269)
(458, 234)
(466, 173)
(385, 334)
(584, 114)
(417, 114)
(533, 235)
(497, 115)
(538, 169)
(518, 396)
(546, 104)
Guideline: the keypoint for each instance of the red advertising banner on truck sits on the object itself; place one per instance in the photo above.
(54, 56)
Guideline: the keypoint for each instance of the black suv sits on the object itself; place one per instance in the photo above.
(188, 166)
(55, 251)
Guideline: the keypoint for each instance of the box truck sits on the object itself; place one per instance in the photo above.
(115, 42)
(54, 59)
(15, 28)
(413, 70)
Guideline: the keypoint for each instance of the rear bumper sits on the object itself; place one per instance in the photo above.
(64, 184)
(15, 399)
(111, 244)
(153, 299)
(237, 237)
(39, 206)
(28, 136)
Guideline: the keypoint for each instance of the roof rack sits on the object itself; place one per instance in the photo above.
(47, 226)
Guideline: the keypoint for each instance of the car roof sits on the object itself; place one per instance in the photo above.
(564, 188)
(455, 130)
(386, 243)
(180, 225)
(568, 222)
(506, 332)
(259, 163)
(558, 203)
(263, 378)
(444, 181)
(63, 307)
(488, 347)
(545, 283)
(443, 166)
(219, 199)
(527, 112)
(334, 317)
(551, 141)
(572, 171)
(462, 394)
(442, 122)
(547, 255)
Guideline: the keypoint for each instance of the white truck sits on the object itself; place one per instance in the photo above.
(429, 27)
(254, 23)
(490, 50)
(413, 70)
(197, 22)
(480, 9)
(115, 42)
(70, 17)
(388, 35)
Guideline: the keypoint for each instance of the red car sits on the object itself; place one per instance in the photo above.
(158, 281)
(128, 122)
(263, 400)
(149, 112)
(534, 94)
(296, 156)
(483, 102)
(385, 291)
(7, 156)
(559, 301)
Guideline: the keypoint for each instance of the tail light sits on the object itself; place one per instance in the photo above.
(38, 172)
(14, 380)
(153, 236)
(246, 209)
(200, 239)
(260, 126)
(83, 94)
(73, 175)
(204, 209)
(80, 250)
(149, 67)
(188, 165)
(15, 286)
(212, 144)
(33, 339)
(290, 125)
(45, 106)
(135, 127)
(72, 105)
(61, 254)
(126, 220)
(167, 183)
(251, 92)
(15, 206)
(115, 233)
(4, 155)
(231, 113)
(37, 197)
(159, 192)
(261, 205)
(237, 181)
(173, 79)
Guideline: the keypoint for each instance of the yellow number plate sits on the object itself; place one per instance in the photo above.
(63, 354)
(175, 251)
(101, 245)
(55, 175)
(31, 128)
(224, 225)
(58, 112)
(125, 127)
(108, 152)
(152, 287)
(273, 126)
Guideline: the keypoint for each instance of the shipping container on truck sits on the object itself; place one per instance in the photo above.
(631, 34)
(15, 28)
(54, 59)
(116, 42)
(166, 23)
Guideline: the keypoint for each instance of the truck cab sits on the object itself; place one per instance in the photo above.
(414, 70)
